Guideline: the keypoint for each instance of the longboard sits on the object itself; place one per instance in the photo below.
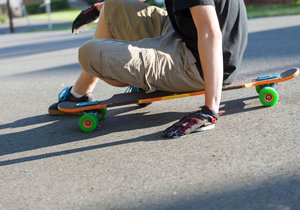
(96, 110)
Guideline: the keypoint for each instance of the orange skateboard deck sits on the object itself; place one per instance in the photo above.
(95, 111)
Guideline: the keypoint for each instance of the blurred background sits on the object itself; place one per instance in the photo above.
(53, 13)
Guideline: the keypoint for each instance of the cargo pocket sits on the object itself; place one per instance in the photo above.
(126, 66)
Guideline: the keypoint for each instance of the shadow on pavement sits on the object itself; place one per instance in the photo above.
(63, 129)
(272, 44)
(238, 106)
(273, 193)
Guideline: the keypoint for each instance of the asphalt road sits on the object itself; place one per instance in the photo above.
(250, 161)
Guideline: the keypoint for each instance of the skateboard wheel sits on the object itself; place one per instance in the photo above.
(268, 96)
(88, 122)
(102, 113)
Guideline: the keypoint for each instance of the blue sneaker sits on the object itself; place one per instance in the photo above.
(133, 89)
(65, 95)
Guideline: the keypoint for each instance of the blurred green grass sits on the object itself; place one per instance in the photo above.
(61, 16)
(254, 11)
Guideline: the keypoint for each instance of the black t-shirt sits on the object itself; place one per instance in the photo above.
(232, 18)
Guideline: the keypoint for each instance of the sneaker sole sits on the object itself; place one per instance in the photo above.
(205, 128)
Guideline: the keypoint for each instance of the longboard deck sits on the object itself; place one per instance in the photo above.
(143, 98)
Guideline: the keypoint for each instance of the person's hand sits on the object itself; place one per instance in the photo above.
(99, 5)
(201, 120)
(86, 16)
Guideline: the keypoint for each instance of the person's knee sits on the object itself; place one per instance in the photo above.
(87, 56)
(90, 59)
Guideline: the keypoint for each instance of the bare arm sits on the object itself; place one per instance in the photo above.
(210, 50)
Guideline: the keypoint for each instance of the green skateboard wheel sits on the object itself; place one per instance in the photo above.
(102, 113)
(88, 122)
(268, 96)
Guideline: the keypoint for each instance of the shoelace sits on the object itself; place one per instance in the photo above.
(132, 89)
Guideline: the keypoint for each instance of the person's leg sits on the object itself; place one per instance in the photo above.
(153, 24)
(134, 21)
(86, 82)
(161, 63)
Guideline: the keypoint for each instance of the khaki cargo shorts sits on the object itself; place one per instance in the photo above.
(145, 51)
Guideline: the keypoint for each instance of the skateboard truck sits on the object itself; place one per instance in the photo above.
(267, 77)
